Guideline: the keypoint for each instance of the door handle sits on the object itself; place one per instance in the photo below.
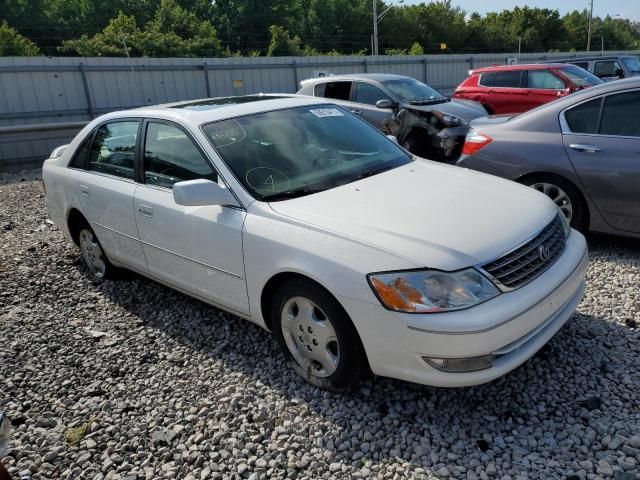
(84, 190)
(145, 210)
(356, 112)
(585, 147)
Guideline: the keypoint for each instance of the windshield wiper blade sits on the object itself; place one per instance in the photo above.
(295, 193)
(371, 173)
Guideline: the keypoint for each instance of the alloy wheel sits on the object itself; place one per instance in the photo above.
(310, 336)
(559, 197)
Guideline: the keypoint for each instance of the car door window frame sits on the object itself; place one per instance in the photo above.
(91, 138)
(496, 73)
(549, 72)
(354, 92)
(566, 130)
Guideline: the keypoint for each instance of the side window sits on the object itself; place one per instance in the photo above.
(544, 79)
(606, 68)
(487, 79)
(584, 65)
(337, 90)
(369, 94)
(79, 159)
(113, 149)
(171, 156)
(620, 115)
(584, 117)
(510, 78)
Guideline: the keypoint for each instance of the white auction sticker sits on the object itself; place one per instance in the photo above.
(326, 112)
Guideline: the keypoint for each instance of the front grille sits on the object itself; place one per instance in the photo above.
(528, 261)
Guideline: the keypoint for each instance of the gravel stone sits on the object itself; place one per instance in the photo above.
(132, 380)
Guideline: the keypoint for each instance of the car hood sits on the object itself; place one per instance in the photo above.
(464, 109)
(435, 215)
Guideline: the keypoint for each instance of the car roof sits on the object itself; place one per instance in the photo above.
(220, 108)
(589, 59)
(376, 77)
(520, 66)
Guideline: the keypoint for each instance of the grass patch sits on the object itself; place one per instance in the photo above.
(73, 436)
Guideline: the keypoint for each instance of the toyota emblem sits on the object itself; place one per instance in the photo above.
(544, 253)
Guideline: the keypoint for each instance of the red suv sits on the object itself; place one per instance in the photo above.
(518, 88)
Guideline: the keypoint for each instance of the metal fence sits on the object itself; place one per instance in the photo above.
(44, 101)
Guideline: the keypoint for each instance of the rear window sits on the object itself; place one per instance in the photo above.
(337, 90)
(584, 118)
(504, 79)
(584, 65)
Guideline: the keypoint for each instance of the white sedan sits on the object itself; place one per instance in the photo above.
(298, 216)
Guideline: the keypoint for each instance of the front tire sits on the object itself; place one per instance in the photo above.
(317, 336)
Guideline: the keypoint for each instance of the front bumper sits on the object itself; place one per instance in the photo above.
(512, 327)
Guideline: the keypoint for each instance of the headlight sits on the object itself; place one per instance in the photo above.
(565, 223)
(450, 120)
(431, 291)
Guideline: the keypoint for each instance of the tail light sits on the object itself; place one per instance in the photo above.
(474, 142)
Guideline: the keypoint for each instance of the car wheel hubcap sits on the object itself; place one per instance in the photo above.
(92, 253)
(559, 197)
(310, 336)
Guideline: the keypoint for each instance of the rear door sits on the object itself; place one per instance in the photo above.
(197, 249)
(340, 92)
(543, 86)
(365, 96)
(106, 186)
(602, 139)
(505, 94)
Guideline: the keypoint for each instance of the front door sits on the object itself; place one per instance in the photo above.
(603, 143)
(543, 86)
(197, 249)
(366, 97)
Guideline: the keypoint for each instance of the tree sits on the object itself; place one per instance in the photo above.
(416, 49)
(15, 45)
(281, 44)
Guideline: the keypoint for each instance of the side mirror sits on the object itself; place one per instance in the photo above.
(202, 192)
(385, 103)
(619, 73)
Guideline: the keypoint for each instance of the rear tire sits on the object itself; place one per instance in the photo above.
(95, 259)
(317, 337)
(565, 195)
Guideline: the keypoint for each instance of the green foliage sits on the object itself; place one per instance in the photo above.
(395, 51)
(15, 45)
(416, 49)
(306, 27)
(281, 44)
(173, 32)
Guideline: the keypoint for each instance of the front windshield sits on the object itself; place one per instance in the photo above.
(299, 151)
(580, 77)
(413, 91)
(632, 64)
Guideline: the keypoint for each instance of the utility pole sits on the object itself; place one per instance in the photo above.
(375, 27)
(519, 46)
(590, 21)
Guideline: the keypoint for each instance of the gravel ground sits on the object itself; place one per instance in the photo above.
(131, 380)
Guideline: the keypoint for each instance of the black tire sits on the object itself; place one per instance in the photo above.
(351, 367)
(580, 211)
(90, 257)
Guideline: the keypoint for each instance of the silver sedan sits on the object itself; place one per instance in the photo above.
(583, 151)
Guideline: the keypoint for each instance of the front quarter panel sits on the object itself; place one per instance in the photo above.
(276, 244)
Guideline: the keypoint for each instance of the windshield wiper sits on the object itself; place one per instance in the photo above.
(430, 101)
(371, 173)
(295, 193)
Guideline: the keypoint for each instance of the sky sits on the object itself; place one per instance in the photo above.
(625, 8)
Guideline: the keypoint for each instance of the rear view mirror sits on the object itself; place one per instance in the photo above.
(201, 192)
(385, 103)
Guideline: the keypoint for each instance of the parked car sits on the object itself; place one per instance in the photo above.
(608, 68)
(518, 88)
(297, 215)
(423, 120)
(582, 151)
(5, 427)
